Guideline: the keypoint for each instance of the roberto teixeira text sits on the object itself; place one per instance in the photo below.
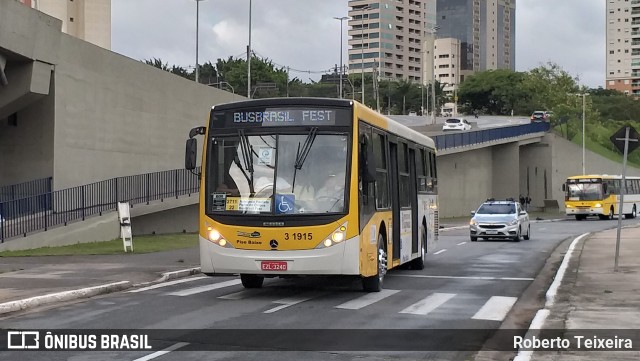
(576, 342)
(40, 340)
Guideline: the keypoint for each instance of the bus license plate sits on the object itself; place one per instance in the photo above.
(274, 265)
(492, 232)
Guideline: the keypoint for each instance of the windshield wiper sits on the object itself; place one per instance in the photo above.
(247, 157)
(301, 154)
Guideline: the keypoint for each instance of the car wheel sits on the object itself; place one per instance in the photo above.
(474, 238)
(251, 281)
(374, 283)
(528, 235)
(517, 237)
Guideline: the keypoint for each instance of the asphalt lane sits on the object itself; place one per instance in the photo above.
(465, 286)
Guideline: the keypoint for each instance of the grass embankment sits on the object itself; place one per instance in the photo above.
(141, 244)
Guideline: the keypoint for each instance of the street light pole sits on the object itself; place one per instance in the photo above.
(584, 97)
(197, 31)
(249, 57)
(341, 69)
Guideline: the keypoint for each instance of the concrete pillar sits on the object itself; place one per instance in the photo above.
(506, 171)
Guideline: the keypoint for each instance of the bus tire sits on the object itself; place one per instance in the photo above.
(418, 263)
(633, 213)
(251, 281)
(374, 283)
(581, 217)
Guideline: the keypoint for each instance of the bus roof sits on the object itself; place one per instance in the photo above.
(603, 176)
(378, 119)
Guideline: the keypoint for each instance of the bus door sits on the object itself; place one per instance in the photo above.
(395, 197)
(413, 199)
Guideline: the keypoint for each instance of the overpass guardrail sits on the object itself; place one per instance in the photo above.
(465, 139)
(36, 213)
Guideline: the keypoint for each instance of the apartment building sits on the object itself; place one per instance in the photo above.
(89, 20)
(623, 46)
(485, 29)
(388, 37)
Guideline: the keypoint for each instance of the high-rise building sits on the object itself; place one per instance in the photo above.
(623, 46)
(388, 36)
(89, 20)
(486, 30)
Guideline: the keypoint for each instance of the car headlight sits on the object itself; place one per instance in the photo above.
(473, 222)
(513, 223)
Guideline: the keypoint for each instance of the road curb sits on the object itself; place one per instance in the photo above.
(168, 276)
(88, 292)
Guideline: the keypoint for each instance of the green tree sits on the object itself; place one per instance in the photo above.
(492, 91)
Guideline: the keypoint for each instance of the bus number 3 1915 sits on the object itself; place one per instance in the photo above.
(299, 236)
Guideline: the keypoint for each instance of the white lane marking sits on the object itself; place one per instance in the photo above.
(440, 251)
(542, 229)
(290, 301)
(495, 309)
(165, 284)
(162, 352)
(236, 296)
(367, 299)
(428, 304)
(551, 292)
(215, 286)
(466, 277)
(461, 243)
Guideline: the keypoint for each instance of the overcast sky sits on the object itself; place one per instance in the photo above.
(303, 35)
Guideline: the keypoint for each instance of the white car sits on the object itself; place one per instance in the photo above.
(500, 219)
(456, 124)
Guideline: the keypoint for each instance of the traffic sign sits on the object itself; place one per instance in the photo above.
(618, 138)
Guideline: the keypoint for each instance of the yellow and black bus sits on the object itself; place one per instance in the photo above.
(599, 195)
(310, 186)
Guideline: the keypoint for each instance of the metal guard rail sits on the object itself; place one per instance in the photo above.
(465, 139)
(41, 212)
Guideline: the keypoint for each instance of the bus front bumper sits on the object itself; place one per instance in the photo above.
(589, 211)
(340, 259)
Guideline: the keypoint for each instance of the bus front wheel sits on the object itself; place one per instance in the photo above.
(374, 283)
(251, 281)
(633, 213)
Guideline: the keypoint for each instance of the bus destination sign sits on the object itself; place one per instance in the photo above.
(281, 117)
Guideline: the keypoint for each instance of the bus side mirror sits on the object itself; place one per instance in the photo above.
(605, 188)
(191, 154)
(367, 162)
(564, 187)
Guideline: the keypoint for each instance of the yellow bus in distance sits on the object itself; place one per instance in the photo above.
(599, 195)
(311, 186)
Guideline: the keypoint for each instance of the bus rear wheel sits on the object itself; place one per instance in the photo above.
(633, 213)
(418, 263)
(251, 281)
(374, 283)
(581, 217)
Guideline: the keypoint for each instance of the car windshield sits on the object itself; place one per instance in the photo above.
(496, 208)
(278, 174)
(585, 192)
(453, 121)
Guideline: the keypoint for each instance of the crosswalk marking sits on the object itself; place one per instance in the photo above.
(495, 309)
(215, 286)
(290, 301)
(367, 299)
(236, 295)
(428, 304)
(170, 283)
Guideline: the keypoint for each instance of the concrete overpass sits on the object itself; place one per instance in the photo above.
(81, 114)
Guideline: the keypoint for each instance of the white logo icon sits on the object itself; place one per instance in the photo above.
(21, 340)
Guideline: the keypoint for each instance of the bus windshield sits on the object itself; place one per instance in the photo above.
(279, 174)
(585, 192)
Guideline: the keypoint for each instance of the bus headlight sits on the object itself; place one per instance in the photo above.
(216, 237)
(598, 205)
(336, 237)
(569, 206)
